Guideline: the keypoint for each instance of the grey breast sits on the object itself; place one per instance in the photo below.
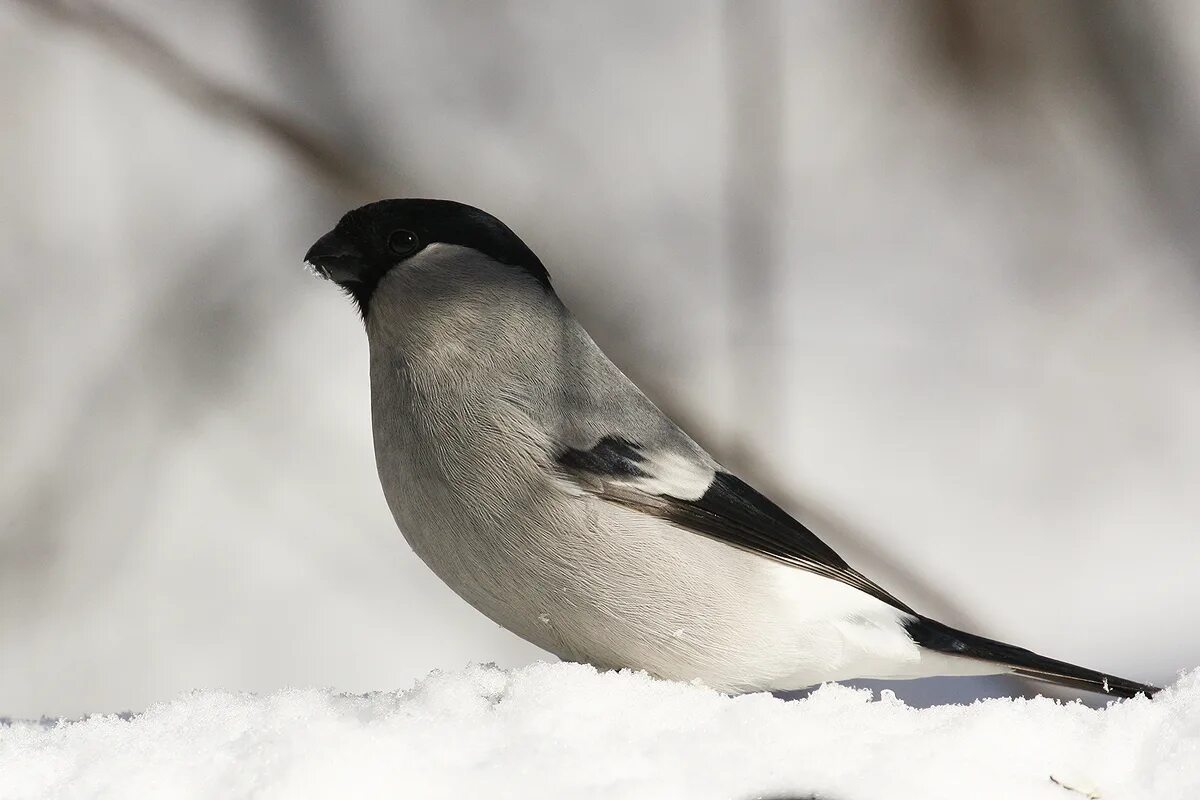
(474, 392)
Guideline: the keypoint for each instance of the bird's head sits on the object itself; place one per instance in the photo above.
(370, 241)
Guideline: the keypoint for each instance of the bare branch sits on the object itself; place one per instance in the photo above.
(135, 43)
(753, 195)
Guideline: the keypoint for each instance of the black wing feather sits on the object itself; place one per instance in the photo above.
(730, 511)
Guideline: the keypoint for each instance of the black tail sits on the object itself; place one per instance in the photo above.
(944, 639)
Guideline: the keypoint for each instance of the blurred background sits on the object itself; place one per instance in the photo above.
(928, 273)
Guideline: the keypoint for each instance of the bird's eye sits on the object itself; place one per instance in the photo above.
(403, 242)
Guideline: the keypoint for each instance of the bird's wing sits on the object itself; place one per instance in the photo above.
(679, 487)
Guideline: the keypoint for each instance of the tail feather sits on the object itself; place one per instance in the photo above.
(934, 635)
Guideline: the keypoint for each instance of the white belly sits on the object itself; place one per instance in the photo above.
(624, 590)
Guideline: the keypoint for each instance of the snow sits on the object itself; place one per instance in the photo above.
(567, 731)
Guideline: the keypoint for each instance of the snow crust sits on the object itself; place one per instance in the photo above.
(567, 731)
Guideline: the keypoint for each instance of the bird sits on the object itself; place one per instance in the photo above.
(541, 485)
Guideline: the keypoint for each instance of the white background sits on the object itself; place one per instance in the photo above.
(975, 342)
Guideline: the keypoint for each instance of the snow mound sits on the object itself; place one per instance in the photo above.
(566, 731)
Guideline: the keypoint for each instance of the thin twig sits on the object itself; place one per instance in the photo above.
(142, 48)
(1088, 793)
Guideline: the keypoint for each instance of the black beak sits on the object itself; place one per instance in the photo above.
(334, 259)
